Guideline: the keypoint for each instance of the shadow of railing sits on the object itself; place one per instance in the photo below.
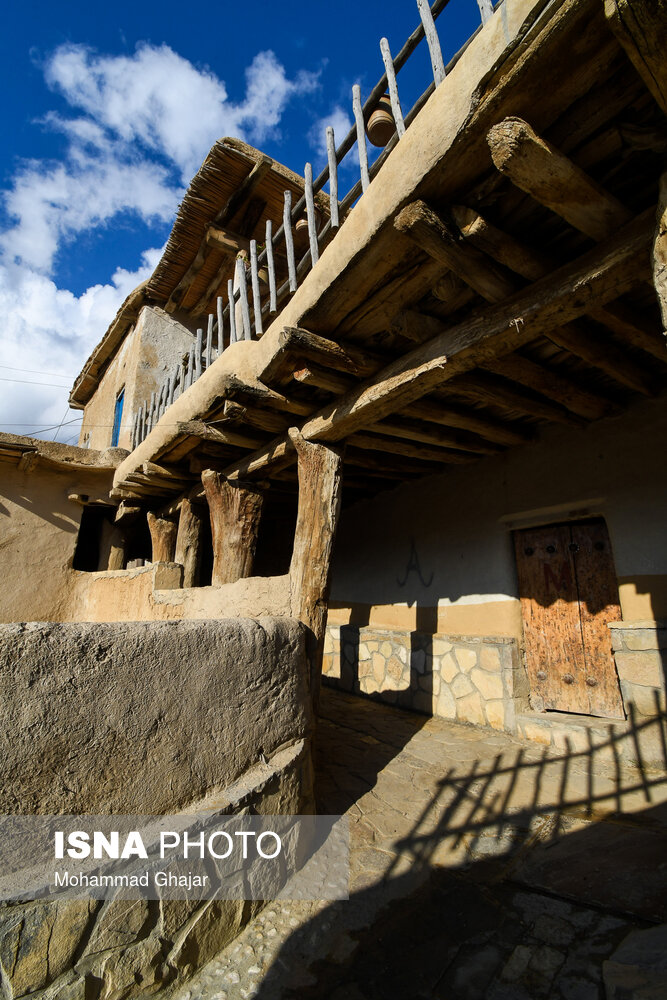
(510, 838)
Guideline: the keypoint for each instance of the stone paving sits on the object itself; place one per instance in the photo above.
(482, 866)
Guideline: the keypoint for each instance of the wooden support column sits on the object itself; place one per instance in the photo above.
(660, 252)
(188, 541)
(117, 547)
(235, 509)
(163, 537)
(320, 483)
(641, 28)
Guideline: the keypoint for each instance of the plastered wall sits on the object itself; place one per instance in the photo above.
(39, 526)
(149, 352)
(436, 555)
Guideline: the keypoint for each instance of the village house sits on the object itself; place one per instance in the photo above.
(409, 440)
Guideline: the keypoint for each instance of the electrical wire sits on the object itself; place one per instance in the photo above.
(33, 371)
(25, 381)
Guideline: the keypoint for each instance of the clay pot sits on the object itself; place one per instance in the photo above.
(301, 237)
(381, 125)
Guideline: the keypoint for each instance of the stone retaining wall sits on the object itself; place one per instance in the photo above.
(143, 718)
(640, 651)
(474, 680)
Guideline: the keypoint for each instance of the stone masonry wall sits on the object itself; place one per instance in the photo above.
(473, 680)
(640, 651)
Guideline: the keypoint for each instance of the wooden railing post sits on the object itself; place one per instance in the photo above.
(188, 541)
(163, 537)
(320, 482)
(235, 510)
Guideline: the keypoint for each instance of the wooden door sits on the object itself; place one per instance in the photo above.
(568, 592)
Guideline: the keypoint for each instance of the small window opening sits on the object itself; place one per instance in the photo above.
(117, 417)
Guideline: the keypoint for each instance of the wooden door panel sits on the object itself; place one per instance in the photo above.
(598, 605)
(568, 593)
(552, 624)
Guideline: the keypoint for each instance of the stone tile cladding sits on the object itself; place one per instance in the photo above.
(466, 679)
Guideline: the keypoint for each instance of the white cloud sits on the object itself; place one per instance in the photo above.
(49, 332)
(139, 127)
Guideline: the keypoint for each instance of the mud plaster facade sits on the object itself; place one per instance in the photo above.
(179, 734)
(425, 611)
(432, 619)
(155, 344)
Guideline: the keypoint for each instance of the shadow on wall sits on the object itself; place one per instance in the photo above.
(517, 879)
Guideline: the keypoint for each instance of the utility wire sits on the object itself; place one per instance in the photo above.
(32, 371)
(26, 381)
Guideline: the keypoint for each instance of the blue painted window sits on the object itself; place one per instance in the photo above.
(117, 417)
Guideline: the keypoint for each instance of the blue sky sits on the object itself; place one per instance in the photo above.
(107, 112)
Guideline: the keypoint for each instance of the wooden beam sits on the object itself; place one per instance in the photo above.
(189, 541)
(553, 385)
(244, 190)
(500, 246)
(492, 391)
(533, 265)
(552, 179)
(411, 431)
(235, 510)
(632, 326)
(206, 432)
(374, 441)
(320, 482)
(227, 242)
(434, 235)
(598, 276)
(641, 28)
(320, 378)
(163, 537)
(117, 548)
(296, 346)
(595, 349)
(660, 252)
(437, 412)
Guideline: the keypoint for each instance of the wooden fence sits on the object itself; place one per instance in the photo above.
(243, 316)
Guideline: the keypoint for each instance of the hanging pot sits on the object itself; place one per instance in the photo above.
(381, 125)
(301, 236)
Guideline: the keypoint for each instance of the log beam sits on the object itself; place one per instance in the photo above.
(440, 241)
(320, 481)
(641, 28)
(163, 537)
(543, 172)
(296, 346)
(553, 385)
(597, 277)
(189, 541)
(660, 252)
(235, 510)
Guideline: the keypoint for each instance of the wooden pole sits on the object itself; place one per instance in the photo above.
(432, 41)
(361, 136)
(271, 267)
(543, 172)
(256, 301)
(320, 483)
(189, 540)
(289, 240)
(310, 213)
(163, 537)
(209, 340)
(221, 325)
(660, 252)
(242, 282)
(235, 510)
(117, 546)
(641, 28)
(393, 87)
(232, 311)
(333, 177)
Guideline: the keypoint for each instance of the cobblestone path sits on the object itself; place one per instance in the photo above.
(481, 868)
